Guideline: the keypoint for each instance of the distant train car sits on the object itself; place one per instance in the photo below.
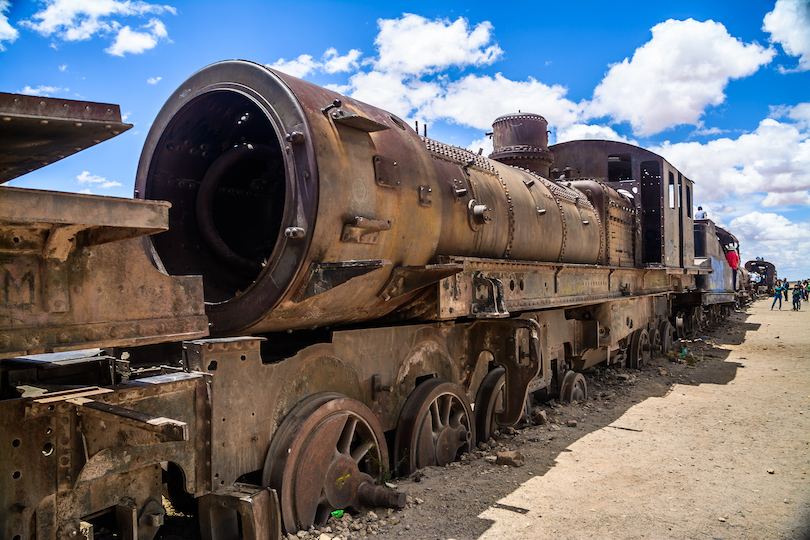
(766, 273)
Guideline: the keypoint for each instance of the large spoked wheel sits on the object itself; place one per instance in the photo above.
(436, 425)
(488, 403)
(327, 455)
(573, 387)
(665, 331)
(639, 353)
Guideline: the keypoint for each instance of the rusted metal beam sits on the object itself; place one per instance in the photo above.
(38, 131)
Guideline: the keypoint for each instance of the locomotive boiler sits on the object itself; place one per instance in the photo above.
(305, 295)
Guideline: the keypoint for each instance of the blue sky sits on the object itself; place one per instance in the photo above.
(721, 89)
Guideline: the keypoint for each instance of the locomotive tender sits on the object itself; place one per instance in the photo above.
(326, 296)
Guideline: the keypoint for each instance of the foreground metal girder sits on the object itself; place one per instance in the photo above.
(74, 274)
(38, 131)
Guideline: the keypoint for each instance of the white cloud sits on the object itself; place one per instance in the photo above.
(63, 67)
(675, 76)
(789, 25)
(801, 198)
(153, 80)
(414, 45)
(485, 144)
(798, 113)
(42, 90)
(134, 42)
(300, 67)
(576, 132)
(96, 181)
(478, 100)
(334, 63)
(7, 32)
(774, 238)
(773, 159)
(79, 20)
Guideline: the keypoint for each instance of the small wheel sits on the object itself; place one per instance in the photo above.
(699, 319)
(488, 403)
(436, 425)
(655, 341)
(665, 331)
(323, 453)
(681, 324)
(573, 387)
(639, 353)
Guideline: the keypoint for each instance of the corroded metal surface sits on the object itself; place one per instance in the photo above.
(37, 131)
(70, 262)
(284, 176)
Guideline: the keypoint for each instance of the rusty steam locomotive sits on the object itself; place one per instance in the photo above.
(325, 297)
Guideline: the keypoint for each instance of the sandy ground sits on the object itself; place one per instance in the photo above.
(713, 450)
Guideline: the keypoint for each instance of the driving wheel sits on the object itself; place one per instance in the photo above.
(639, 353)
(488, 403)
(573, 387)
(436, 425)
(665, 330)
(328, 454)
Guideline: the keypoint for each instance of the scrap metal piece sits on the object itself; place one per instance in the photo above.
(406, 279)
(255, 508)
(364, 230)
(167, 429)
(357, 122)
(325, 276)
(38, 131)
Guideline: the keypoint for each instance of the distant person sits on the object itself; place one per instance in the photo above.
(734, 262)
(785, 288)
(701, 213)
(777, 294)
(797, 297)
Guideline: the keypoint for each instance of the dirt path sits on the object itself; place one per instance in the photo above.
(714, 450)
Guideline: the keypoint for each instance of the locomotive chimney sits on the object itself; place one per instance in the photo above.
(521, 140)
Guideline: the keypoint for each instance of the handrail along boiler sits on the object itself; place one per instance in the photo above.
(326, 296)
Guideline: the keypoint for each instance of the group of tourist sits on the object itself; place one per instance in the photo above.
(800, 291)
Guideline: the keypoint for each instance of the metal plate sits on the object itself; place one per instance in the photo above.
(37, 131)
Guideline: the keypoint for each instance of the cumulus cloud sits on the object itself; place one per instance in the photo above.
(775, 158)
(153, 80)
(42, 90)
(7, 32)
(686, 65)
(96, 181)
(79, 20)
(334, 63)
(135, 42)
(787, 199)
(484, 144)
(584, 131)
(789, 26)
(414, 45)
(300, 67)
(774, 238)
(477, 100)
(798, 113)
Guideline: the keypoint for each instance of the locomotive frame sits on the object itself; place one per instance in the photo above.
(395, 301)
